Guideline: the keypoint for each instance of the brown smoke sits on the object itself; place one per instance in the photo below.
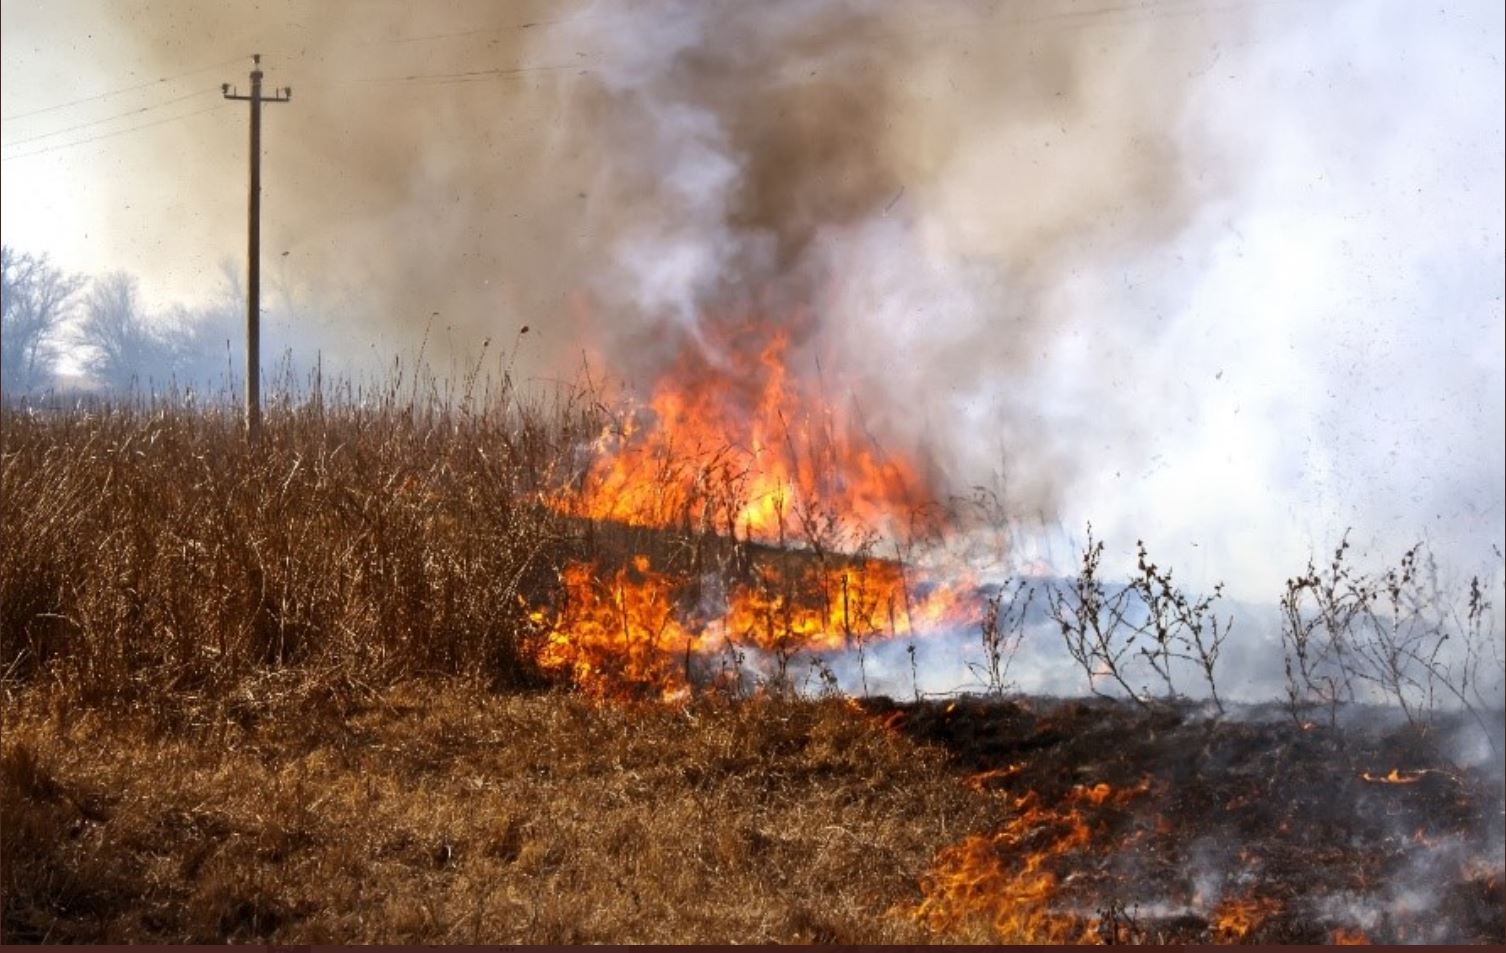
(415, 171)
(669, 162)
(921, 179)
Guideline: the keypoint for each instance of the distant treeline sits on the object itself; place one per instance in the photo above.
(99, 329)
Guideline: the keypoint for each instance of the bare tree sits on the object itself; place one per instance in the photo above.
(1319, 611)
(123, 347)
(1397, 635)
(207, 340)
(35, 297)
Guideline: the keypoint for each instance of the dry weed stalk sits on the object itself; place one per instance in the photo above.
(1150, 619)
(1353, 636)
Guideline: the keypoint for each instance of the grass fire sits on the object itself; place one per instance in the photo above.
(930, 492)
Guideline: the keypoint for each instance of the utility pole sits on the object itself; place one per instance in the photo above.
(253, 246)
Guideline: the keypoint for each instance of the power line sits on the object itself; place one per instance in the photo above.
(111, 135)
(439, 79)
(122, 91)
(417, 79)
(481, 79)
(97, 122)
(532, 24)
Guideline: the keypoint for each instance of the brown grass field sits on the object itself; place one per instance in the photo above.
(444, 813)
(291, 695)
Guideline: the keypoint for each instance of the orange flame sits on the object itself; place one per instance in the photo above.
(736, 445)
(632, 633)
(740, 446)
(1009, 878)
(1344, 936)
(831, 607)
(982, 780)
(1236, 917)
(616, 636)
(1395, 776)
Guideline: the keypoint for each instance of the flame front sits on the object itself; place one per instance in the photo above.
(736, 447)
(617, 634)
(1394, 776)
(639, 633)
(736, 444)
(1236, 917)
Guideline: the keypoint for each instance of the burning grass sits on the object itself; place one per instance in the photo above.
(746, 449)
(1115, 825)
(152, 553)
(393, 675)
(638, 632)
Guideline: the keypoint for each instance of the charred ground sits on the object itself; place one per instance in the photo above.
(1252, 828)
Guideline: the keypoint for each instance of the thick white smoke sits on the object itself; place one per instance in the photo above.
(1228, 280)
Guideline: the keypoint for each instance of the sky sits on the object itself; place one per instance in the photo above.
(1226, 276)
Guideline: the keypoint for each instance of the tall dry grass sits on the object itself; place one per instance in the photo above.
(374, 535)
(150, 552)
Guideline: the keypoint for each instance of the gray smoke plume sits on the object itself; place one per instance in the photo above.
(1226, 277)
(1142, 259)
(899, 191)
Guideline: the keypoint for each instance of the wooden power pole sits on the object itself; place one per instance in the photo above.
(253, 246)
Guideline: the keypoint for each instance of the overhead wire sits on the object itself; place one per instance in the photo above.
(111, 135)
(121, 91)
(480, 31)
(462, 34)
(440, 78)
(415, 79)
(1110, 8)
(105, 119)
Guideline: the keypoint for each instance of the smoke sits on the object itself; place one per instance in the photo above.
(902, 193)
(677, 160)
(1157, 267)
(1227, 278)
(412, 190)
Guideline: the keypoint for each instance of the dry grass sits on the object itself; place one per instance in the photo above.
(438, 813)
(443, 812)
(293, 695)
(289, 695)
(151, 556)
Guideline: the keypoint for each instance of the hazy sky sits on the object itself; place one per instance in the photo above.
(1225, 275)
(157, 181)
